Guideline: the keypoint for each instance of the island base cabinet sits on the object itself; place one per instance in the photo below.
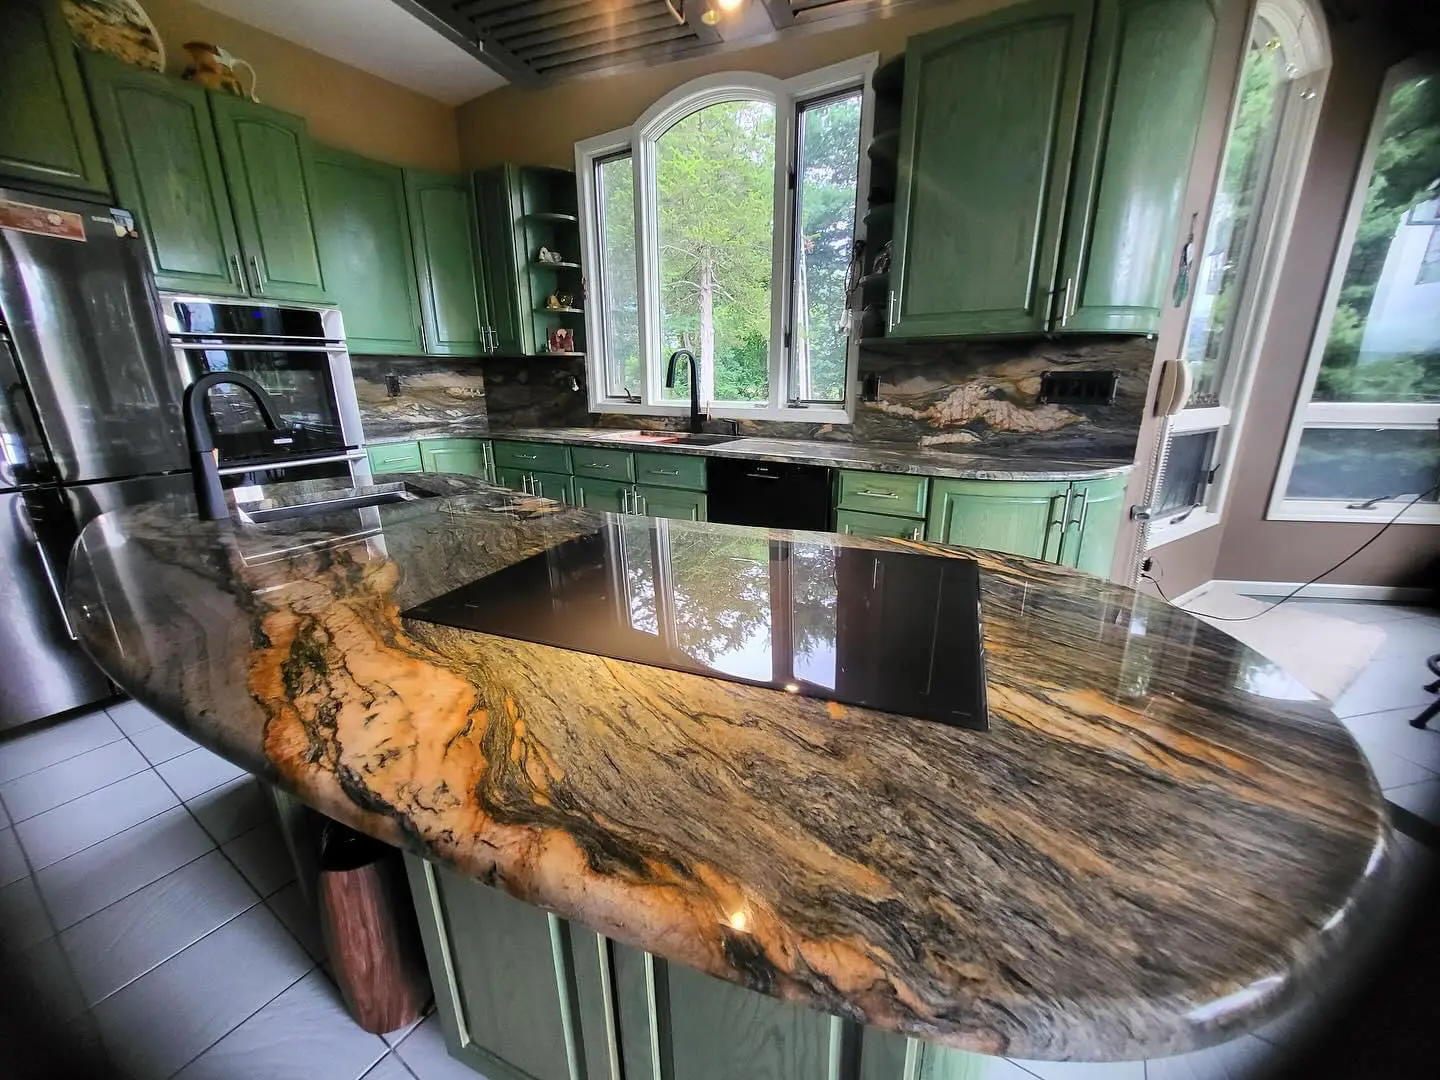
(522, 994)
(1020, 518)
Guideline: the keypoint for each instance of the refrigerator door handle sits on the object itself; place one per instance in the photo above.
(48, 568)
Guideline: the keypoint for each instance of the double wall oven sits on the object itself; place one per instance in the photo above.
(299, 356)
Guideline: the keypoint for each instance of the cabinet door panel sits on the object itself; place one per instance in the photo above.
(51, 139)
(1020, 518)
(551, 486)
(856, 523)
(508, 302)
(1097, 508)
(160, 144)
(364, 238)
(990, 112)
(600, 495)
(395, 457)
(664, 502)
(467, 460)
(1143, 97)
(442, 231)
(270, 168)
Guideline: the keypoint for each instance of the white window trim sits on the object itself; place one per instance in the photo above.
(1327, 414)
(1302, 29)
(639, 141)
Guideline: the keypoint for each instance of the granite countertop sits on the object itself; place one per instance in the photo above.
(1160, 839)
(874, 457)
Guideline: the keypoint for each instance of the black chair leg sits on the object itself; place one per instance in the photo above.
(1425, 717)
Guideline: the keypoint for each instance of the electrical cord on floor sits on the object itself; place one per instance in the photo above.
(1300, 588)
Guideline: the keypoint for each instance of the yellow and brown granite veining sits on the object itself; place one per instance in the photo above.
(1149, 848)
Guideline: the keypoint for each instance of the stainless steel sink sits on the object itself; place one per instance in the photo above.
(333, 502)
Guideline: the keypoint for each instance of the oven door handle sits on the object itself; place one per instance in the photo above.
(240, 346)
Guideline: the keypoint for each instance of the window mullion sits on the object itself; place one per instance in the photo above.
(781, 255)
(647, 269)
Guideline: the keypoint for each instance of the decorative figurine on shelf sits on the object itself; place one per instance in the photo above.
(558, 301)
(562, 340)
(882, 260)
(550, 258)
(214, 68)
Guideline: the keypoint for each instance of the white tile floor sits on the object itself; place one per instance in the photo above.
(145, 891)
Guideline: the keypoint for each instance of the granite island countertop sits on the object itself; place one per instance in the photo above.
(1159, 840)
(871, 457)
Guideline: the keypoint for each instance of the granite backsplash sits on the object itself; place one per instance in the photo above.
(961, 395)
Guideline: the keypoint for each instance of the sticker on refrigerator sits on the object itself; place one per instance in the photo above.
(42, 220)
(124, 224)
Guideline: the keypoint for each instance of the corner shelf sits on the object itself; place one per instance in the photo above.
(542, 310)
(559, 354)
(552, 215)
(555, 265)
(880, 277)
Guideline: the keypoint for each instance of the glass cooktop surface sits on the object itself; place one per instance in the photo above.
(897, 631)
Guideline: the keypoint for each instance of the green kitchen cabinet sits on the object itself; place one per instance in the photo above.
(395, 457)
(270, 169)
(611, 496)
(508, 302)
(47, 133)
(882, 493)
(1020, 517)
(159, 142)
(1092, 524)
(546, 484)
(669, 502)
(857, 523)
(467, 456)
(988, 126)
(364, 236)
(1144, 91)
(670, 470)
(442, 236)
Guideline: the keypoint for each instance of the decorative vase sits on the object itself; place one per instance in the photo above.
(119, 28)
(214, 68)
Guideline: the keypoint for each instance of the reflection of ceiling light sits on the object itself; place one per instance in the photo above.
(711, 17)
(715, 10)
(729, 7)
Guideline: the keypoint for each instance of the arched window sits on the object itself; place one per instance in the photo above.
(724, 221)
(1273, 118)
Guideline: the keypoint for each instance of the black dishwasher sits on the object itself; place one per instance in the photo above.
(768, 493)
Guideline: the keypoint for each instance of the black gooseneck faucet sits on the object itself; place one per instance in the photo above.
(694, 383)
(204, 459)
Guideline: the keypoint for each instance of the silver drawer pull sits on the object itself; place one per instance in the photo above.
(528, 457)
(878, 494)
(663, 472)
(594, 465)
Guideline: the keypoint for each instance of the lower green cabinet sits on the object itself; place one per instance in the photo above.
(854, 523)
(395, 457)
(601, 495)
(1092, 527)
(465, 456)
(664, 502)
(47, 135)
(1018, 517)
(548, 485)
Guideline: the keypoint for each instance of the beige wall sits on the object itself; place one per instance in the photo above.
(541, 126)
(344, 106)
(1246, 547)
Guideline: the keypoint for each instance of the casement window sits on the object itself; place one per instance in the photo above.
(724, 222)
(1365, 439)
(1235, 268)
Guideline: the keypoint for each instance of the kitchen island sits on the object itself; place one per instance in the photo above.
(1157, 842)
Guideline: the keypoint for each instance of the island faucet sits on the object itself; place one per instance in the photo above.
(694, 383)
(204, 458)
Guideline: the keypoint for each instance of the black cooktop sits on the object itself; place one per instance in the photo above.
(897, 631)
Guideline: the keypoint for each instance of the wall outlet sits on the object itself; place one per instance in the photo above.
(392, 385)
(870, 386)
(1079, 387)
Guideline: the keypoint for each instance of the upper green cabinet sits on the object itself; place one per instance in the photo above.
(1043, 157)
(224, 188)
(271, 173)
(987, 132)
(47, 135)
(160, 144)
(442, 232)
(1144, 93)
(507, 296)
(364, 236)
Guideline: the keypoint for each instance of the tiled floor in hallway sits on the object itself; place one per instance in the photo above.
(145, 891)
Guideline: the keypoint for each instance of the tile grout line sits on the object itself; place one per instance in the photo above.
(120, 780)
(112, 836)
(245, 1020)
(69, 757)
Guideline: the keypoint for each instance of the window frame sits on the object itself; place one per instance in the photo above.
(788, 96)
(1300, 28)
(1358, 415)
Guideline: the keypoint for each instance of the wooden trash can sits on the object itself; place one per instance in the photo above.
(368, 920)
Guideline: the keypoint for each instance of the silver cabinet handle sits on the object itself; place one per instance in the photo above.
(878, 494)
(537, 486)
(756, 476)
(890, 312)
(260, 280)
(639, 504)
(1067, 304)
(494, 340)
(240, 278)
(1079, 522)
(528, 457)
(625, 502)
(594, 465)
(663, 472)
(51, 578)
(915, 533)
(1062, 519)
(525, 483)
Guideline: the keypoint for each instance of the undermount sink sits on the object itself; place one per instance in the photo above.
(684, 438)
(333, 502)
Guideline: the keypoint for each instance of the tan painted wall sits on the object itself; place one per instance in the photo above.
(344, 106)
(542, 126)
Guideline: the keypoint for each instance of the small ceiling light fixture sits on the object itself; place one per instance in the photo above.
(715, 10)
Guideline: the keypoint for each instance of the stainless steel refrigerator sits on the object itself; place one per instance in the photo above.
(90, 421)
